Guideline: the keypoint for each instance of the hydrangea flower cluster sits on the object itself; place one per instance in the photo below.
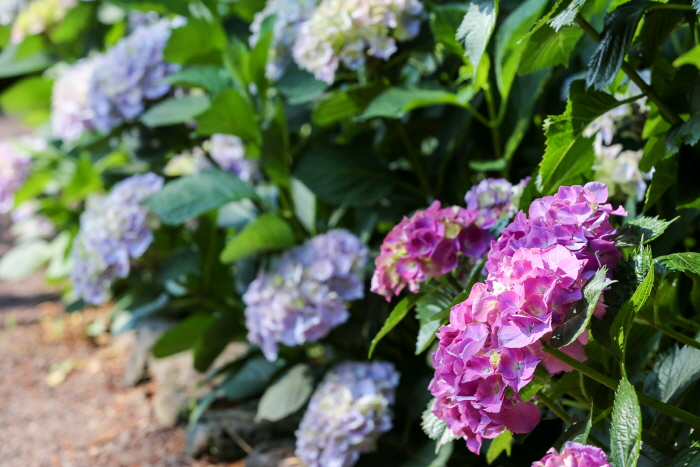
(492, 345)
(494, 199)
(574, 455)
(9, 9)
(302, 298)
(14, 170)
(576, 217)
(129, 74)
(289, 15)
(345, 31)
(71, 111)
(28, 223)
(347, 414)
(426, 245)
(114, 229)
(38, 16)
(229, 152)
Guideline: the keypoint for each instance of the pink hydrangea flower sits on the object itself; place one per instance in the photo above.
(428, 244)
(574, 455)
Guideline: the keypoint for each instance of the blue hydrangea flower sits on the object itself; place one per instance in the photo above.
(345, 31)
(130, 74)
(302, 298)
(14, 170)
(114, 229)
(348, 412)
(71, 112)
(229, 152)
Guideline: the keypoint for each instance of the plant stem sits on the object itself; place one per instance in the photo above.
(603, 415)
(414, 157)
(633, 75)
(476, 114)
(674, 334)
(612, 384)
(495, 130)
(549, 403)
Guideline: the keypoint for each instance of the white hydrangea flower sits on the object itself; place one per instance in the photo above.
(38, 16)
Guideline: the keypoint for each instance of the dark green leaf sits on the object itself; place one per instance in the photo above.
(231, 113)
(690, 457)
(665, 176)
(502, 443)
(143, 311)
(476, 29)
(175, 110)
(683, 133)
(432, 311)
(642, 228)
(444, 22)
(344, 104)
(250, 380)
(216, 337)
(428, 457)
(548, 48)
(654, 151)
(673, 374)
(275, 148)
(300, 86)
(182, 336)
(577, 432)
(617, 34)
(343, 175)
(188, 197)
(266, 233)
(626, 429)
(397, 314)
(195, 39)
(397, 102)
(566, 17)
(286, 395)
(210, 78)
(683, 262)
(579, 314)
(539, 380)
(658, 25)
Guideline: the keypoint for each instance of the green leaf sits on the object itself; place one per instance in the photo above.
(476, 29)
(29, 98)
(683, 133)
(691, 57)
(619, 29)
(432, 311)
(209, 78)
(344, 175)
(397, 102)
(654, 151)
(300, 86)
(428, 457)
(566, 17)
(84, 181)
(435, 428)
(175, 110)
(444, 22)
(182, 336)
(665, 176)
(215, 338)
(683, 262)
(266, 233)
(502, 443)
(188, 197)
(690, 457)
(231, 113)
(539, 381)
(623, 321)
(673, 373)
(642, 228)
(250, 380)
(274, 154)
(626, 428)
(577, 432)
(344, 104)
(397, 314)
(23, 259)
(548, 48)
(579, 314)
(194, 40)
(286, 395)
(12, 64)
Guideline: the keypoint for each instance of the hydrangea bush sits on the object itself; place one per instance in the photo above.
(360, 189)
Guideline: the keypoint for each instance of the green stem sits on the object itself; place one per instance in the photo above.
(603, 415)
(674, 334)
(416, 163)
(670, 6)
(612, 384)
(476, 114)
(549, 403)
(495, 128)
(633, 75)
(576, 404)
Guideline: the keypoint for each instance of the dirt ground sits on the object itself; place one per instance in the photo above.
(63, 402)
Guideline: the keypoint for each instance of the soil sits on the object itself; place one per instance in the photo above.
(63, 402)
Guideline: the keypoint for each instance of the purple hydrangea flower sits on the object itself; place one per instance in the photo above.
(493, 199)
(229, 152)
(348, 412)
(130, 74)
(14, 170)
(71, 113)
(345, 31)
(113, 230)
(289, 15)
(574, 455)
(429, 244)
(576, 217)
(302, 298)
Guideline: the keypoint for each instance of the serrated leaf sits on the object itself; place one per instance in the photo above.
(577, 432)
(566, 17)
(642, 228)
(502, 443)
(286, 395)
(618, 30)
(690, 457)
(683, 262)
(673, 374)
(188, 197)
(623, 321)
(175, 110)
(436, 428)
(558, 7)
(626, 428)
(476, 29)
(548, 48)
(397, 314)
(266, 233)
(579, 314)
(432, 311)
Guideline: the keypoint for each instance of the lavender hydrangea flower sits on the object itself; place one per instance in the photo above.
(14, 170)
(302, 298)
(348, 412)
(130, 74)
(289, 15)
(71, 113)
(493, 199)
(229, 152)
(429, 244)
(28, 223)
(38, 16)
(345, 31)
(574, 455)
(114, 229)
